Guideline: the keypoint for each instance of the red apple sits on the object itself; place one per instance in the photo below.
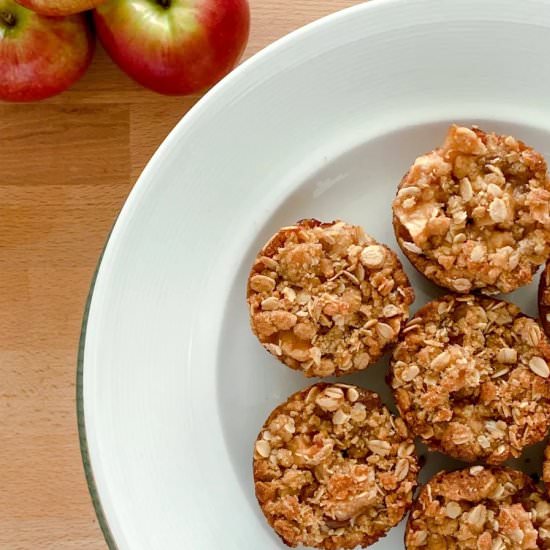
(40, 56)
(59, 7)
(174, 47)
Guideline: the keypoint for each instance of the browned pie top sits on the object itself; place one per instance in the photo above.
(479, 508)
(544, 299)
(327, 299)
(333, 468)
(471, 377)
(474, 213)
(546, 469)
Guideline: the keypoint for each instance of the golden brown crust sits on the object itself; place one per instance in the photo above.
(326, 299)
(470, 376)
(544, 299)
(479, 508)
(333, 468)
(474, 214)
(546, 468)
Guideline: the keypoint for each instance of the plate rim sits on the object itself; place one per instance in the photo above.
(82, 437)
(138, 185)
(124, 215)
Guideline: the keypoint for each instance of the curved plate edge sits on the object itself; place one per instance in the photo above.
(81, 421)
(83, 441)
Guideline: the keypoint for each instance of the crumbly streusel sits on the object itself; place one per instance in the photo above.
(544, 299)
(479, 508)
(333, 468)
(474, 214)
(327, 299)
(546, 468)
(471, 377)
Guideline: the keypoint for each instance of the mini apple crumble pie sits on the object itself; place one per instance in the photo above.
(474, 213)
(327, 299)
(333, 468)
(471, 377)
(479, 508)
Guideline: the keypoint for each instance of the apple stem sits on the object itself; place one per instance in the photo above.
(164, 3)
(7, 18)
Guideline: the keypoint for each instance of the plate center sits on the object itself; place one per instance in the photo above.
(356, 185)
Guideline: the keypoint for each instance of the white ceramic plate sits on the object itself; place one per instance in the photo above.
(173, 386)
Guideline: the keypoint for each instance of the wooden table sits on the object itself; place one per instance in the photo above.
(67, 165)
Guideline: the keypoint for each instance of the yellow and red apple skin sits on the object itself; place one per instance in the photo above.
(40, 56)
(174, 47)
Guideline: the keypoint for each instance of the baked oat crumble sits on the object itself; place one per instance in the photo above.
(333, 469)
(479, 508)
(544, 299)
(471, 377)
(474, 214)
(546, 468)
(327, 299)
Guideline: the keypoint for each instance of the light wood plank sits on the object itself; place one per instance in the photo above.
(67, 165)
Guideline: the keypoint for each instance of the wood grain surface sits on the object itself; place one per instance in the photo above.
(67, 165)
